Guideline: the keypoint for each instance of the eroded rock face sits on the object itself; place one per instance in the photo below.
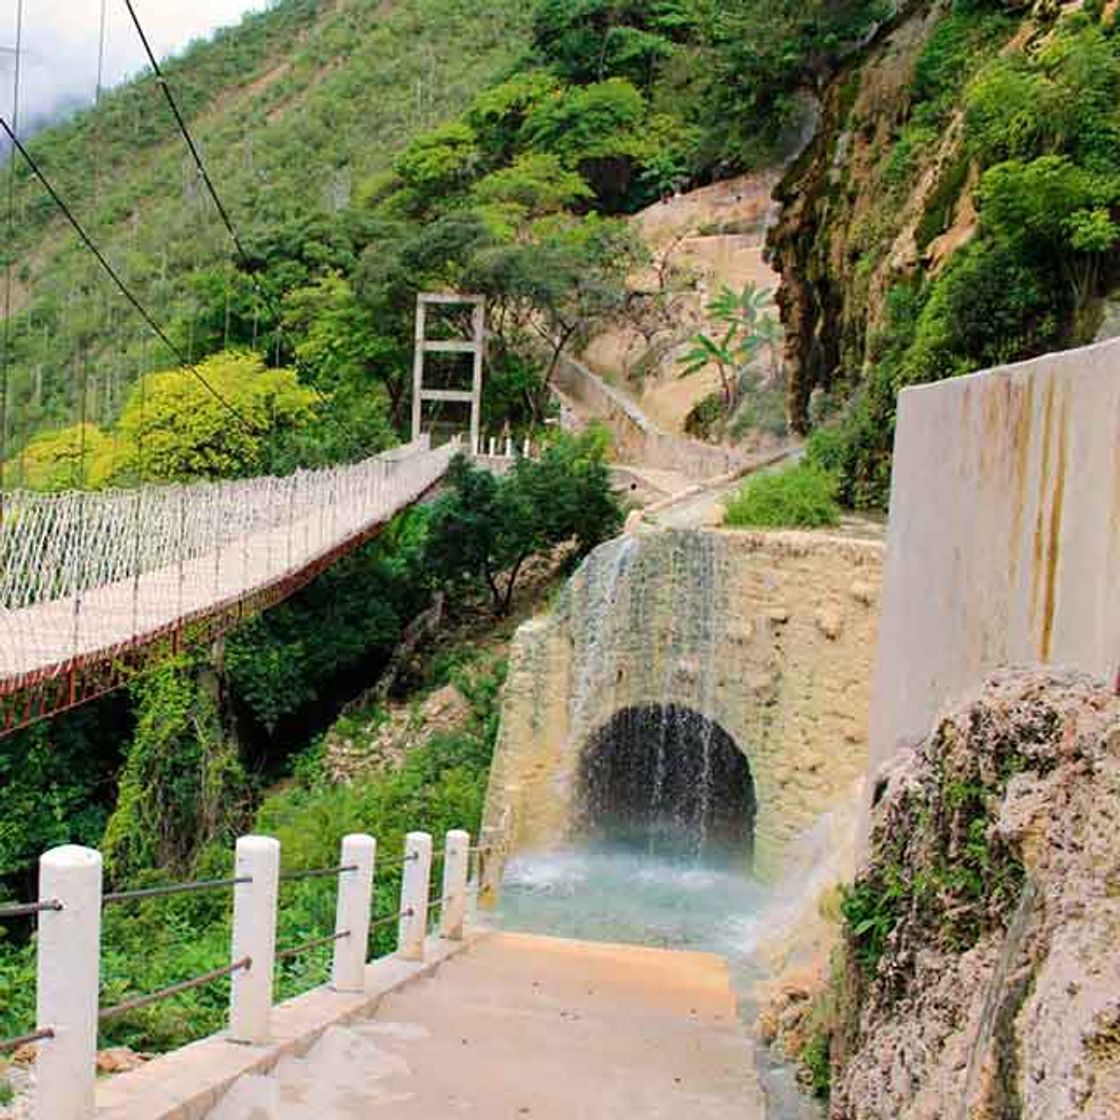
(983, 952)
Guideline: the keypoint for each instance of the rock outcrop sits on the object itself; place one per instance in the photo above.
(981, 974)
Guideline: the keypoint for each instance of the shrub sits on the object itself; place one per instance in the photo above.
(816, 1057)
(703, 418)
(803, 496)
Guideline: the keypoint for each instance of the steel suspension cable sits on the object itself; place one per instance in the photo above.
(5, 342)
(124, 289)
(204, 174)
(182, 124)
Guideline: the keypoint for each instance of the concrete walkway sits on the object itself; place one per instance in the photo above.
(523, 1026)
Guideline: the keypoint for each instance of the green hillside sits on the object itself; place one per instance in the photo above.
(297, 110)
(367, 150)
(956, 206)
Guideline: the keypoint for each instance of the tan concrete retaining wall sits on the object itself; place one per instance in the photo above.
(1004, 538)
(768, 634)
(637, 439)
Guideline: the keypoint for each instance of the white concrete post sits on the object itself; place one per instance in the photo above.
(456, 864)
(493, 446)
(69, 979)
(355, 895)
(413, 926)
(254, 936)
(525, 448)
(509, 447)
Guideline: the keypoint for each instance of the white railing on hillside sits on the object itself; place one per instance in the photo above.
(71, 901)
(85, 572)
(506, 447)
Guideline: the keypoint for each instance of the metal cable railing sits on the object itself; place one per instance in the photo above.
(317, 873)
(70, 881)
(174, 990)
(165, 891)
(389, 919)
(29, 909)
(7, 1045)
(397, 861)
(115, 897)
(307, 946)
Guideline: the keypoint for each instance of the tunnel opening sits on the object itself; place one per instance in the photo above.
(667, 780)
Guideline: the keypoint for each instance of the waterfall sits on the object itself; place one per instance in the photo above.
(603, 580)
(663, 769)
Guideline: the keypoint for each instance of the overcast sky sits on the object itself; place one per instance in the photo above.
(60, 45)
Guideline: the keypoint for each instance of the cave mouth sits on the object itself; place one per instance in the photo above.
(669, 781)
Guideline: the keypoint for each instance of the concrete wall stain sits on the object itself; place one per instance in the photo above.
(1020, 404)
(1053, 551)
(1038, 550)
(1027, 555)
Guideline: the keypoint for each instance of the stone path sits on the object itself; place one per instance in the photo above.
(532, 1027)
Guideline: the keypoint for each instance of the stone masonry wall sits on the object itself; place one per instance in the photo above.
(768, 634)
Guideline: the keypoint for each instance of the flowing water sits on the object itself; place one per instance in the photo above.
(623, 894)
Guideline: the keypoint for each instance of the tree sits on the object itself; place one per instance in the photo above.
(182, 784)
(1052, 205)
(437, 164)
(486, 528)
(174, 428)
(562, 280)
(759, 55)
(74, 458)
(534, 185)
(340, 351)
(286, 661)
(597, 130)
(498, 114)
(590, 40)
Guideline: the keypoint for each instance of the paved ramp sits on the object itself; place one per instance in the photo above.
(533, 1027)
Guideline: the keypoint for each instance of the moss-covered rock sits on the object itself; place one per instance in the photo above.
(981, 956)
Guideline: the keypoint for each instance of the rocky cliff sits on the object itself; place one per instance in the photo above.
(981, 964)
(930, 227)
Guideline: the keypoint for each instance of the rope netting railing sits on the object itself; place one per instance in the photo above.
(82, 572)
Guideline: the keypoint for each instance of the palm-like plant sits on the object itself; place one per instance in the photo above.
(748, 327)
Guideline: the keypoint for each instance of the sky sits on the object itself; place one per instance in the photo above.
(60, 40)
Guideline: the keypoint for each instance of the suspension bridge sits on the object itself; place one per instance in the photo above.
(95, 584)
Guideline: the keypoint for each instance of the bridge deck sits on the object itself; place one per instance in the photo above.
(534, 1027)
(95, 575)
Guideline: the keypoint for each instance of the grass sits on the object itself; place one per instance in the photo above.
(148, 945)
(801, 497)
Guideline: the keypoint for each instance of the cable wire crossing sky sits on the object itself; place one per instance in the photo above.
(61, 46)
